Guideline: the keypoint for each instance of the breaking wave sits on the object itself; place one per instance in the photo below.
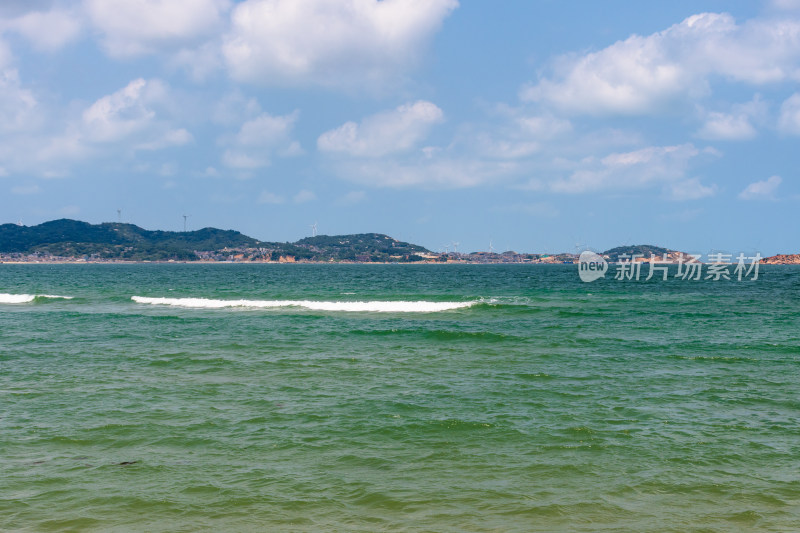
(369, 306)
(28, 298)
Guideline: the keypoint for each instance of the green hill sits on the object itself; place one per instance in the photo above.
(360, 247)
(642, 249)
(73, 238)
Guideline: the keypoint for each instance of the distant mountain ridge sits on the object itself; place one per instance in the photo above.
(74, 240)
(641, 250)
(118, 241)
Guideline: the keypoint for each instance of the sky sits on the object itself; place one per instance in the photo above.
(534, 126)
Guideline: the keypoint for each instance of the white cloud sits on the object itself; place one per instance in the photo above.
(391, 131)
(724, 126)
(736, 125)
(41, 139)
(133, 27)
(505, 148)
(522, 137)
(169, 138)
(641, 74)
(789, 121)
(788, 5)
(129, 116)
(690, 189)
(761, 190)
(200, 62)
(47, 30)
(544, 126)
(258, 138)
(646, 167)
(119, 114)
(235, 108)
(265, 130)
(243, 161)
(329, 42)
(18, 106)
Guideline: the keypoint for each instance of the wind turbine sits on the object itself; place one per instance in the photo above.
(119, 215)
(491, 248)
(455, 247)
(314, 229)
(184, 222)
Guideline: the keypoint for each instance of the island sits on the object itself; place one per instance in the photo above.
(75, 241)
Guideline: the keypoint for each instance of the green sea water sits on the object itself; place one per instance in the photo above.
(503, 398)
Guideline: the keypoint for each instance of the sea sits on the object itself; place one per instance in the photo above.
(306, 397)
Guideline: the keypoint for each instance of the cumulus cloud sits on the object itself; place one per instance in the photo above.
(234, 108)
(40, 139)
(642, 73)
(522, 136)
(383, 150)
(389, 132)
(489, 146)
(119, 114)
(690, 189)
(725, 126)
(243, 161)
(736, 125)
(329, 42)
(134, 27)
(761, 190)
(129, 115)
(18, 106)
(543, 126)
(639, 169)
(787, 5)
(265, 129)
(166, 139)
(789, 121)
(47, 30)
(258, 138)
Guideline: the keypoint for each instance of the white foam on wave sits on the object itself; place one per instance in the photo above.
(369, 307)
(16, 298)
(27, 298)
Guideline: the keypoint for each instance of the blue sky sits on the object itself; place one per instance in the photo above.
(536, 125)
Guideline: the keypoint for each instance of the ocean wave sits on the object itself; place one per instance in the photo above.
(28, 298)
(506, 301)
(368, 306)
